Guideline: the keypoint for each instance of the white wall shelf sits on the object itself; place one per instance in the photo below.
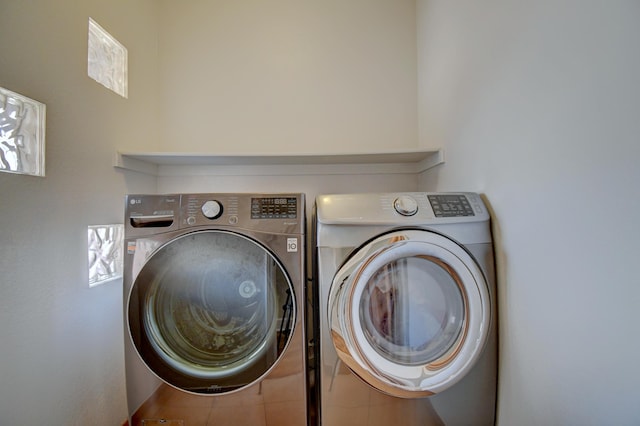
(173, 164)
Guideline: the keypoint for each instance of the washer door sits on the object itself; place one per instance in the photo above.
(211, 312)
(409, 313)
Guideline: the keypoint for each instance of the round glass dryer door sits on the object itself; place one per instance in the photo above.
(409, 313)
(211, 312)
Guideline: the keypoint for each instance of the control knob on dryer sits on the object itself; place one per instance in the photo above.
(212, 209)
(405, 205)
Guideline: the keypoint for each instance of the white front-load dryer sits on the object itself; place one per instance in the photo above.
(407, 320)
(214, 309)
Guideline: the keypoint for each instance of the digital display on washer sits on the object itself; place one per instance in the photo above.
(450, 205)
(274, 208)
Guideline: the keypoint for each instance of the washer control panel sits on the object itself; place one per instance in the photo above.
(274, 208)
(277, 212)
(263, 211)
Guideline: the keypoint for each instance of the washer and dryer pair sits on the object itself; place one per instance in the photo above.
(403, 313)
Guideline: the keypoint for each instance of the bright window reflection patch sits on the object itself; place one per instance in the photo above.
(107, 60)
(105, 253)
(22, 129)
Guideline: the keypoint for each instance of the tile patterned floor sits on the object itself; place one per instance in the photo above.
(349, 401)
(276, 401)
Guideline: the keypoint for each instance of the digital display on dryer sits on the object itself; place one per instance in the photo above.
(450, 205)
(274, 208)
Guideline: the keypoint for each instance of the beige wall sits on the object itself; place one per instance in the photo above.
(62, 343)
(288, 76)
(536, 105)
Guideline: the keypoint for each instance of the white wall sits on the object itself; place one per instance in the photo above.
(330, 78)
(311, 184)
(535, 103)
(537, 106)
(61, 342)
(288, 76)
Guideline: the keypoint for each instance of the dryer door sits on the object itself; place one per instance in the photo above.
(409, 313)
(211, 312)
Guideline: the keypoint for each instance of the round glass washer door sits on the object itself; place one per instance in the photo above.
(211, 312)
(409, 312)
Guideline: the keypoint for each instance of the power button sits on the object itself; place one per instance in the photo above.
(405, 205)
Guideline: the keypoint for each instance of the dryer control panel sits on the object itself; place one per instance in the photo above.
(405, 208)
(450, 205)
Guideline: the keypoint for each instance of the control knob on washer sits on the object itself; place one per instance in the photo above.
(212, 209)
(405, 205)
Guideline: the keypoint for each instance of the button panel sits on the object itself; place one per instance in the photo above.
(274, 208)
(450, 205)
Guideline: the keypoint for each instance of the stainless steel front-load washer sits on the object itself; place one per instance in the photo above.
(214, 309)
(407, 320)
